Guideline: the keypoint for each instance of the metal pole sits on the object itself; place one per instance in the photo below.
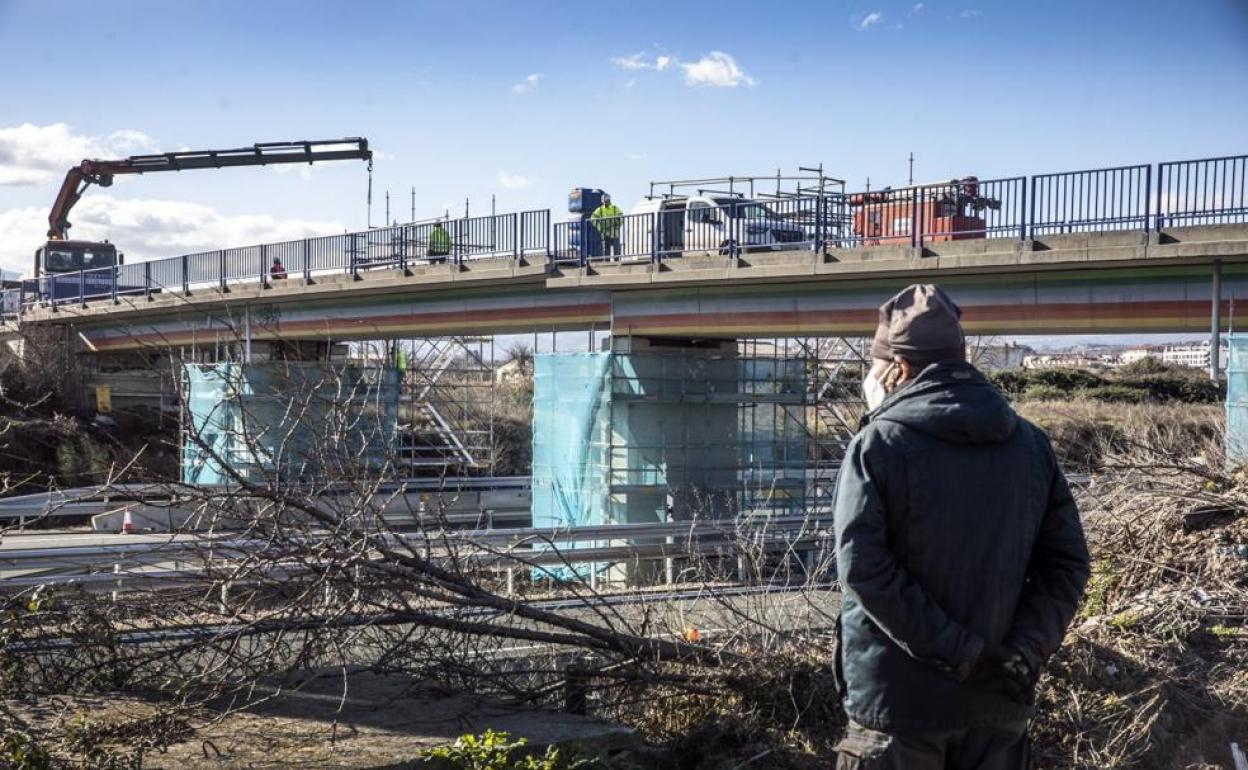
(1215, 330)
(247, 334)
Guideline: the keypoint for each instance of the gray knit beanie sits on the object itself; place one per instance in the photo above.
(921, 325)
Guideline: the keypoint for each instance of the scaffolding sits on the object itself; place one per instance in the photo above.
(447, 398)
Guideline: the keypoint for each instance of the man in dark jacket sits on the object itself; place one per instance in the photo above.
(959, 550)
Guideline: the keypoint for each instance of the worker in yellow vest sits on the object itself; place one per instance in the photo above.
(607, 220)
(439, 243)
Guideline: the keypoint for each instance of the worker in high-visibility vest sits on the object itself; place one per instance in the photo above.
(439, 243)
(607, 221)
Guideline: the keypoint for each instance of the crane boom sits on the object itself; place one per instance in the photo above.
(101, 172)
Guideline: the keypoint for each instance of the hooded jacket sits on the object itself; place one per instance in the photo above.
(955, 530)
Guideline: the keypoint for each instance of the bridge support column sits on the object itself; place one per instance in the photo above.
(287, 421)
(660, 429)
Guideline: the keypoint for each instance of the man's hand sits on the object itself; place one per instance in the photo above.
(1004, 670)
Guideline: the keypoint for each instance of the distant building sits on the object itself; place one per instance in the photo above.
(992, 358)
(1137, 354)
(1060, 360)
(516, 370)
(1194, 355)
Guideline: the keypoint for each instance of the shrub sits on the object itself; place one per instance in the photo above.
(1146, 365)
(1119, 394)
(1188, 387)
(1043, 393)
(1068, 379)
(496, 751)
(1009, 381)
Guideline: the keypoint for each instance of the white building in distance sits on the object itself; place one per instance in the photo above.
(1195, 355)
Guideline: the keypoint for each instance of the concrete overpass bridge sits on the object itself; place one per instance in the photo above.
(1061, 284)
(1130, 249)
(648, 429)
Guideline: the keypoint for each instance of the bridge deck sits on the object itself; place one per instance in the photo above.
(1080, 282)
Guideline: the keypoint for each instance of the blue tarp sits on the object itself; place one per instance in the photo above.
(571, 424)
(1237, 398)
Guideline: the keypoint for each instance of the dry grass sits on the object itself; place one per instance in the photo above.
(1084, 433)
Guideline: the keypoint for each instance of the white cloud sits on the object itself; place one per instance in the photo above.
(968, 13)
(528, 84)
(917, 7)
(639, 61)
(31, 155)
(716, 69)
(635, 156)
(513, 181)
(147, 229)
(869, 20)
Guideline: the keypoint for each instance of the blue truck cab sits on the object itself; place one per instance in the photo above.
(583, 238)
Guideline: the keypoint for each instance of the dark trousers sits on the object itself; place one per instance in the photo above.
(610, 246)
(1002, 747)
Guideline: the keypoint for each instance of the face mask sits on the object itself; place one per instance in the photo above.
(873, 391)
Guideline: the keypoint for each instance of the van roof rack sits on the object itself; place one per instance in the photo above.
(809, 181)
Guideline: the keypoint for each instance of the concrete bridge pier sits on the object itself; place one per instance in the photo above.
(667, 429)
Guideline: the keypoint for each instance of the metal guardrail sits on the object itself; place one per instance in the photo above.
(140, 564)
(1140, 197)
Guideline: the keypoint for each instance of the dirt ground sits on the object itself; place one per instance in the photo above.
(383, 723)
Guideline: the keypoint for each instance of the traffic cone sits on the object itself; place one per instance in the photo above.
(127, 524)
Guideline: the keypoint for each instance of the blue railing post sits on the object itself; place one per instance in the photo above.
(654, 238)
(1022, 216)
(114, 287)
(221, 270)
(916, 235)
(186, 274)
(351, 265)
(147, 281)
(307, 260)
(818, 244)
(403, 248)
(515, 235)
(82, 287)
(264, 266)
(737, 232)
(457, 242)
(520, 220)
(1148, 197)
(1031, 212)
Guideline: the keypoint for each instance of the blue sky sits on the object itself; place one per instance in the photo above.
(525, 100)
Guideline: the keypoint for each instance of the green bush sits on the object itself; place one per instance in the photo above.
(496, 751)
(1118, 394)
(1190, 387)
(1009, 381)
(1146, 365)
(1044, 393)
(1068, 379)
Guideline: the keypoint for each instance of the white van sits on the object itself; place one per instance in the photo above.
(705, 223)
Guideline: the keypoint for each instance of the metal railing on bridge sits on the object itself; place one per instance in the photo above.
(1123, 198)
